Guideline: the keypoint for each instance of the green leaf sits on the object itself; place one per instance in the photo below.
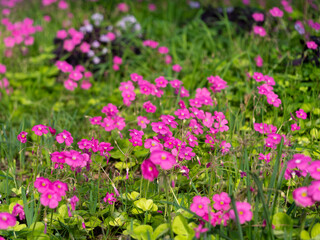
(37, 236)
(93, 222)
(315, 230)
(38, 227)
(161, 230)
(282, 221)
(145, 205)
(304, 235)
(180, 227)
(63, 211)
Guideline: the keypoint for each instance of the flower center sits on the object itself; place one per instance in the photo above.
(150, 169)
(304, 194)
(241, 212)
(43, 184)
(49, 196)
(163, 157)
(200, 206)
(74, 158)
(4, 218)
(221, 203)
(22, 135)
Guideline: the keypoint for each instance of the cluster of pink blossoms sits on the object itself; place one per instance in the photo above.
(71, 39)
(117, 61)
(75, 75)
(19, 33)
(62, 4)
(219, 211)
(51, 192)
(162, 50)
(78, 160)
(302, 165)
(299, 114)
(111, 121)
(276, 12)
(267, 89)
(273, 139)
(286, 5)
(166, 150)
(217, 83)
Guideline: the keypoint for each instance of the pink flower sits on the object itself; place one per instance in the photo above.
(136, 77)
(50, 198)
(295, 127)
(259, 61)
(221, 201)
(60, 187)
(312, 45)
(273, 99)
(244, 212)
(259, 31)
(264, 157)
(198, 230)
(182, 113)
(66, 137)
(63, 5)
(314, 170)
(68, 45)
(75, 75)
(115, 67)
(258, 17)
(85, 85)
(7, 220)
(47, 18)
(142, 121)
(85, 47)
(301, 198)
(18, 210)
(123, 7)
(163, 158)
(3, 69)
(42, 184)
(70, 85)
(40, 129)
(62, 34)
(74, 159)
(217, 83)
(258, 76)
(109, 198)
(110, 110)
(73, 202)
(163, 50)
(301, 114)
(152, 7)
(117, 60)
(111, 36)
(225, 147)
(149, 107)
(167, 59)
(314, 190)
(276, 12)
(161, 82)
(299, 162)
(22, 137)
(149, 170)
(200, 205)
(176, 68)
